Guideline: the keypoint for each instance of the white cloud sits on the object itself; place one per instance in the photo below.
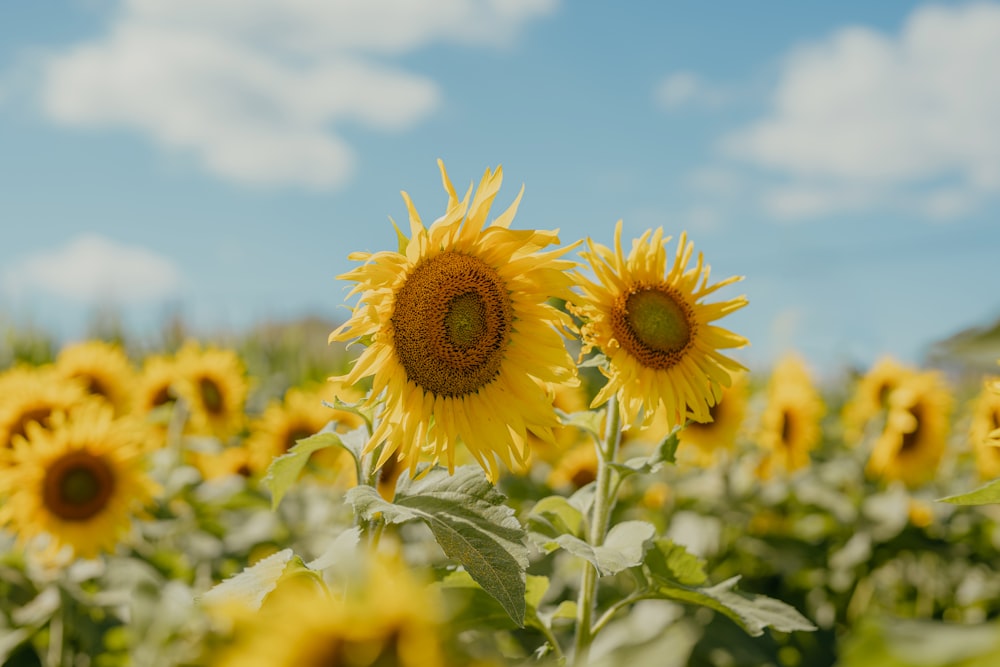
(687, 89)
(95, 270)
(256, 89)
(865, 119)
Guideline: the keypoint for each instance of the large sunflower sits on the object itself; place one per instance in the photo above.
(916, 431)
(871, 396)
(984, 423)
(790, 424)
(649, 319)
(30, 394)
(460, 333)
(77, 483)
(103, 368)
(386, 618)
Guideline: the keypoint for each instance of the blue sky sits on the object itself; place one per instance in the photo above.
(223, 157)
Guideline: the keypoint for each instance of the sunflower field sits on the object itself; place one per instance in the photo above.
(514, 451)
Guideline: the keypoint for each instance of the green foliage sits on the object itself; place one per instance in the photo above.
(285, 470)
(988, 494)
(623, 547)
(470, 521)
(252, 585)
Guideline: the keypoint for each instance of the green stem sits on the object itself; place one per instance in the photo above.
(553, 642)
(57, 647)
(601, 513)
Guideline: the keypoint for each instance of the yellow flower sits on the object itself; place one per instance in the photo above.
(212, 382)
(30, 394)
(705, 444)
(915, 435)
(576, 468)
(154, 388)
(225, 462)
(78, 483)
(300, 414)
(461, 333)
(983, 433)
(103, 368)
(871, 396)
(569, 399)
(649, 319)
(387, 618)
(790, 423)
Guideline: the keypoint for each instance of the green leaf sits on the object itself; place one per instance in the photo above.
(985, 495)
(470, 521)
(554, 516)
(751, 612)
(623, 548)
(342, 549)
(284, 471)
(254, 583)
(665, 452)
(585, 420)
(668, 562)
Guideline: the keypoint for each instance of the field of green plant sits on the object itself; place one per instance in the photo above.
(514, 452)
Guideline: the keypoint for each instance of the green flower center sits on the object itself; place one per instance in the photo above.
(78, 486)
(211, 396)
(451, 324)
(654, 324)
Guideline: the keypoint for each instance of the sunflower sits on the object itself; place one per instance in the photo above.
(790, 422)
(871, 396)
(77, 483)
(103, 368)
(212, 382)
(300, 414)
(568, 399)
(916, 430)
(461, 334)
(155, 385)
(706, 443)
(385, 618)
(648, 318)
(576, 468)
(30, 394)
(985, 422)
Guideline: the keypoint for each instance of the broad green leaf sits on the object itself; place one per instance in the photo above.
(469, 520)
(985, 495)
(623, 548)
(481, 611)
(554, 516)
(669, 562)
(284, 471)
(585, 420)
(252, 585)
(665, 452)
(751, 612)
(341, 549)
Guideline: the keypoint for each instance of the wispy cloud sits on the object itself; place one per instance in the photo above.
(257, 90)
(687, 89)
(864, 119)
(94, 270)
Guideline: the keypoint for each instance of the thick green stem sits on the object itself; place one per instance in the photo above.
(604, 502)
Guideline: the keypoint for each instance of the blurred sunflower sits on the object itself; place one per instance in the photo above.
(212, 381)
(790, 423)
(914, 439)
(461, 333)
(576, 468)
(871, 396)
(388, 620)
(30, 394)
(154, 387)
(648, 318)
(103, 368)
(985, 423)
(568, 399)
(225, 462)
(78, 483)
(300, 414)
(706, 443)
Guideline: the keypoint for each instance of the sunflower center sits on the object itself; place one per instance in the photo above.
(211, 396)
(451, 324)
(654, 324)
(78, 486)
(94, 386)
(911, 440)
(788, 430)
(295, 434)
(995, 417)
(162, 397)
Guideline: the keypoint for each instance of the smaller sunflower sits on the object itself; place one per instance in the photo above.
(871, 396)
(213, 384)
(31, 394)
(984, 424)
(790, 423)
(385, 618)
(649, 318)
(576, 468)
(78, 483)
(568, 399)
(300, 414)
(914, 439)
(707, 443)
(103, 368)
